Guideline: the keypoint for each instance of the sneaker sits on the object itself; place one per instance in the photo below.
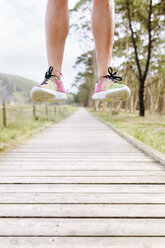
(108, 89)
(51, 89)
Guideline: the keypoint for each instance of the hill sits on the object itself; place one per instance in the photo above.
(15, 89)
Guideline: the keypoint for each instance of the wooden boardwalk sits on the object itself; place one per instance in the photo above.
(79, 184)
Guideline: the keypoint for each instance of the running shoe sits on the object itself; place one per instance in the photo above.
(50, 90)
(108, 89)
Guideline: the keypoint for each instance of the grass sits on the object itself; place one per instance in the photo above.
(149, 129)
(21, 125)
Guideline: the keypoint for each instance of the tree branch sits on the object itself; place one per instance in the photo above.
(149, 43)
(136, 75)
(134, 41)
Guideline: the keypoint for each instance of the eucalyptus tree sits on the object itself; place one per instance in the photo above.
(141, 25)
(138, 39)
(85, 79)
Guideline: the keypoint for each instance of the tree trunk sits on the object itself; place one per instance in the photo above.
(141, 99)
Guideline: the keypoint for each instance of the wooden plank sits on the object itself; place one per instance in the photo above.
(117, 198)
(84, 180)
(80, 173)
(77, 155)
(93, 163)
(81, 227)
(70, 150)
(82, 210)
(124, 188)
(85, 242)
(112, 159)
(102, 159)
(57, 166)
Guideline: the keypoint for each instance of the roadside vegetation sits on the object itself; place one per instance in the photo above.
(149, 129)
(21, 123)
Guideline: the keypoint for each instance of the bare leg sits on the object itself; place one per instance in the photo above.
(103, 26)
(57, 26)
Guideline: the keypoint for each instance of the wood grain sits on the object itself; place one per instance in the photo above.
(79, 184)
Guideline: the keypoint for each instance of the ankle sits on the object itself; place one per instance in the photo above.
(102, 73)
(57, 73)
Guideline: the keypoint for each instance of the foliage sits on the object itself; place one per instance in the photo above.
(85, 79)
(143, 69)
(81, 14)
(141, 37)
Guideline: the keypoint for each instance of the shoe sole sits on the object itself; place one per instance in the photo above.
(113, 95)
(45, 95)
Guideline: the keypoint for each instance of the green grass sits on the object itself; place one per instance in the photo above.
(149, 129)
(21, 125)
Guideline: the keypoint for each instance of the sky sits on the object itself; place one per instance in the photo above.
(22, 42)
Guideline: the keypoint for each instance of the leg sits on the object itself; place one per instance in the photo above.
(57, 26)
(103, 26)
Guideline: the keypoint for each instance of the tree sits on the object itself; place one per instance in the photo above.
(139, 42)
(145, 28)
(85, 80)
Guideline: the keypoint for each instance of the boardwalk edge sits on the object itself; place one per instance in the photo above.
(158, 156)
(4, 147)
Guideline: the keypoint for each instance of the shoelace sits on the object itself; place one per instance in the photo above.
(48, 75)
(112, 75)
